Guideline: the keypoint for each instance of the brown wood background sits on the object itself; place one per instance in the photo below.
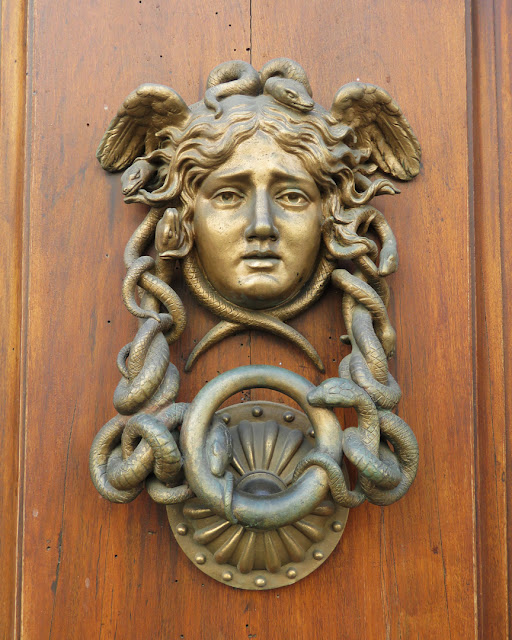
(436, 564)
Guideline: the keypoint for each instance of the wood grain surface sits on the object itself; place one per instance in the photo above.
(12, 221)
(434, 565)
(492, 139)
(410, 566)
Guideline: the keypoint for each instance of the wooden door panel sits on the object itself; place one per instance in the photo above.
(417, 569)
(491, 139)
(12, 132)
(416, 557)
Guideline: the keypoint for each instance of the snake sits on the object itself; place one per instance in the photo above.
(385, 476)
(360, 444)
(144, 363)
(101, 451)
(285, 68)
(149, 382)
(367, 297)
(231, 78)
(283, 79)
(372, 276)
(137, 274)
(157, 452)
(232, 326)
(371, 349)
(211, 299)
(287, 83)
(354, 244)
(340, 492)
(290, 93)
(385, 396)
(163, 494)
(367, 365)
(147, 365)
(118, 470)
(405, 445)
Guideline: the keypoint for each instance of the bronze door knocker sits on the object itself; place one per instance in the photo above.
(264, 196)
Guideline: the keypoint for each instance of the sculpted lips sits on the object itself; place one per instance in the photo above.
(261, 259)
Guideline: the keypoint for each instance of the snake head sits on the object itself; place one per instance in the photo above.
(168, 235)
(388, 261)
(289, 92)
(136, 176)
(334, 392)
(219, 448)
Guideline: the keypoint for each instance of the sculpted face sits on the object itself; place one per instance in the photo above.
(257, 224)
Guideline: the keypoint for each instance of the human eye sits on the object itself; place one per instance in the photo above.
(227, 197)
(292, 198)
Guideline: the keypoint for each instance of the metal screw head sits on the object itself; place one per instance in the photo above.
(257, 412)
(311, 432)
(291, 573)
(288, 416)
(336, 526)
(260, 581)
(318, 555)
(182, 529)
(227, 576)
(225, 417)
(200, 558)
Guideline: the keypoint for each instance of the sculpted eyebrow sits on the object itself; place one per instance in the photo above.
(235, 175)
(280, 174)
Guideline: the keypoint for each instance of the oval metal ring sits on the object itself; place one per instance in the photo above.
(269, 512)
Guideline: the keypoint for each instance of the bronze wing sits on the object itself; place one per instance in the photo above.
(380, 127)
(144, 113)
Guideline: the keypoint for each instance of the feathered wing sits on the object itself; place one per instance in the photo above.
(380, 126)
(144, 113)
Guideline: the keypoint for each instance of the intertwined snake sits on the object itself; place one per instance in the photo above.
(145, 395)
(384, 475)
(238, 319)
(141, 443)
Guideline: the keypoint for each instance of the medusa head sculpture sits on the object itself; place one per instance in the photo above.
(264, 196)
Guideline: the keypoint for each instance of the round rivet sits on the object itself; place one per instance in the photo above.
(227, 576)
(260, 581)
(318, 555)
(257, 412)
(311, 432)
(200, 558)
(288, 417)
(336, 526)
(182, 529)
(226, 418)
(291, 573)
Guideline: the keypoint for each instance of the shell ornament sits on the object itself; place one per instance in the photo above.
(266, 448)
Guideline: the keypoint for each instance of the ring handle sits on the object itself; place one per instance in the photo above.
(269, 512)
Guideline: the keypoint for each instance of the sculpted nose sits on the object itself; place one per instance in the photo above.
(261, 224)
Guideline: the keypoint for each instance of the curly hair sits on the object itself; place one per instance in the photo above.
(325, 147)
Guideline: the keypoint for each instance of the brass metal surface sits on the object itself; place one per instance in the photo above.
(269, 439)
(286, 506)
(265, 197)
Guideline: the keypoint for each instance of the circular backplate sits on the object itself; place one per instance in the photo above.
(269, 439)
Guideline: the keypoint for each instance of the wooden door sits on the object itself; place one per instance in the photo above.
(434, 565)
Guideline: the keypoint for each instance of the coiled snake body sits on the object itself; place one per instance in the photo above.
(145, 395)
(283, 79)
(384, 475)
(141, 443)
(238, 319)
